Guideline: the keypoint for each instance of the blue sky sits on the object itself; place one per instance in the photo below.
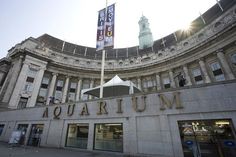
(75, 20)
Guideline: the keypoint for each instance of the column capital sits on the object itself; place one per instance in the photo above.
(21, 57)
(219, 50)
(185, 65)
(68, 76)
(80, 78)
(54, 73)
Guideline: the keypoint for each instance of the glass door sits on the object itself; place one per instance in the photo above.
(207, 138)
(23, 128)
(35, 135)
(109, 137)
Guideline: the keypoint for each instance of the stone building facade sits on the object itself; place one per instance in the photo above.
(186, 107)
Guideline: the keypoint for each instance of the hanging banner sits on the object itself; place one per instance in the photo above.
(107, 40)
(109, 31)
(100, 29)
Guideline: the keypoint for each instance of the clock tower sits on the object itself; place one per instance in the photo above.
(145, 34)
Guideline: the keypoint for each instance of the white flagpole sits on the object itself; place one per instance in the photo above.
(103, 56)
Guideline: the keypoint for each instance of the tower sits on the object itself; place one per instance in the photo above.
(145, 34)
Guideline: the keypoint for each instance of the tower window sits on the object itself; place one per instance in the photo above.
(143, 26)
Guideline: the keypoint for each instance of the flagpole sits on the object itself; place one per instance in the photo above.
(103, 56)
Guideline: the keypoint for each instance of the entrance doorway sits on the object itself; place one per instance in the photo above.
(23, 128)
(109, 137)
(35, 135)
(77, 135)
(208, 138)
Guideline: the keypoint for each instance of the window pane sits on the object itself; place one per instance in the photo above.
(220, 77)
(77, 135)
(22, 103)
(71, 96)
(109, 137)
(198, 78)
(60, 83)
(58, 96)
(215, 66)
(166, 80)
(45, 80)
(28, 87)
(196, 72)
(30, 79)
(32, 72)
(73, 85)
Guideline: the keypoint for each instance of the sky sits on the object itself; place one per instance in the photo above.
(75, 21)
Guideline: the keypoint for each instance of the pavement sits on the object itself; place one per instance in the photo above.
(7, 150)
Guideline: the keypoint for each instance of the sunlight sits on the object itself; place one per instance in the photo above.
(186, 27)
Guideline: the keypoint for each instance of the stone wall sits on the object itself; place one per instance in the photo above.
(149, 126)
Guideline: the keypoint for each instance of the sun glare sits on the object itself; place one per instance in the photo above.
(186, 27)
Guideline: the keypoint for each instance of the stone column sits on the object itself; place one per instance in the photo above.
(158, 81)
(91, 86)
(65, 89)
(225, 65)
(187, 77)
(204, 71)
(172, 81)
(131, 88)
(10, 82)
(37, 84)
(2, 76)
(79, 86)
(51, 87)
(13, 103)
(139, 83)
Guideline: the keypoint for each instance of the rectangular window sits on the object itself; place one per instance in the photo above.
(217, 71)
(77, 135)
(42, 97)
(72, 90)
(29, 84)
(85, 85)
(28, 87)
(166, 82)
(30, 79)
(22, 103)
(109, 137)
(1, 128)
(32, 72)
(45, 80)
(58, 92)
(197, 76)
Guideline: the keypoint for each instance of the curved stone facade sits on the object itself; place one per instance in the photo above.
(201, 56)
